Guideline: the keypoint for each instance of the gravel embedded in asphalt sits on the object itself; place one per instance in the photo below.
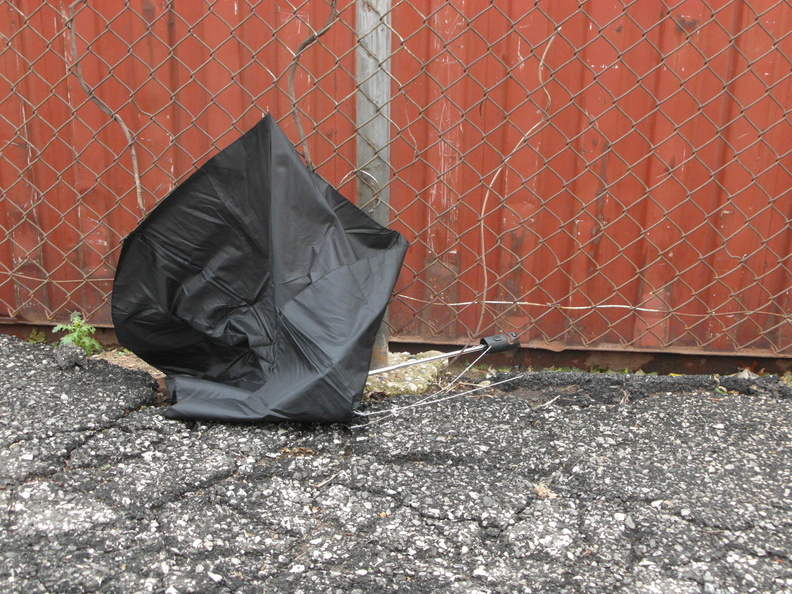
(565, 483)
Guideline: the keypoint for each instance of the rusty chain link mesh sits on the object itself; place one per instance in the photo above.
(610, 175)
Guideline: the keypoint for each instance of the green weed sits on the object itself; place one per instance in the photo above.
(79, 332)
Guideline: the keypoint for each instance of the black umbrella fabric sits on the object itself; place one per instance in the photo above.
(257, 288)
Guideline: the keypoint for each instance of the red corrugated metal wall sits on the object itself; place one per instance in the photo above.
(186, 78)
(647, 202)
(591, 175)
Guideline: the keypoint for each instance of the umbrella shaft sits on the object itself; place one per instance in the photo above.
(465, 351)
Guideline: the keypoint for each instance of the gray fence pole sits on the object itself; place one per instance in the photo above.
(373, 124)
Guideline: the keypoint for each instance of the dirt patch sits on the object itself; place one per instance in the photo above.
(128, 360)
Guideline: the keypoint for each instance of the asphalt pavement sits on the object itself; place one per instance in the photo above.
(566, 482)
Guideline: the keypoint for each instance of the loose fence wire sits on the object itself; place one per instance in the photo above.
(610, 175)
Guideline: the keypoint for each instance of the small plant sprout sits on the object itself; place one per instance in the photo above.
(79, 332)
(36, 336)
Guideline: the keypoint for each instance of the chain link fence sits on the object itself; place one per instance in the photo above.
(600, 175)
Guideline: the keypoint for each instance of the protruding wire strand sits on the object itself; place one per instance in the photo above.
(390, 413)
(420, 403)
(440, 391)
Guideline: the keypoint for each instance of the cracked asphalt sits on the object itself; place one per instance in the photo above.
(566, 483)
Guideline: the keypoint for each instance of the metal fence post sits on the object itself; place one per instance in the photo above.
(373, 124)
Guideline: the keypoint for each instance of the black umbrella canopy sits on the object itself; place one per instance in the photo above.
(257, 288)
